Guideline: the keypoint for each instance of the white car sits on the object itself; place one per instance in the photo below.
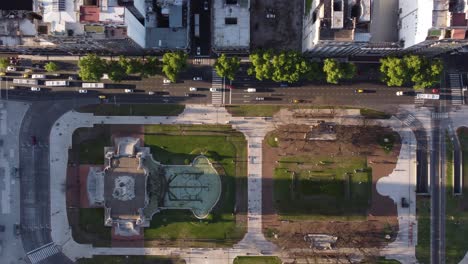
(166, 81)
(150, 93)
(198, 51)
(192, 89)
(83, 91)
(215, 90)
(399, 93)
(197, 78)
(11, 68)
(205, 5)
(35, 89)
(129, 90)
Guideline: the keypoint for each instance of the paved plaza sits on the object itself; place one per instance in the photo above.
(400, 183)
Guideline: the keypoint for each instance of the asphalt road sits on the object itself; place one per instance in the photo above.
(34, 173)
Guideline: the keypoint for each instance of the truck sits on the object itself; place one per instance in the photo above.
(197, 25)
(93, 85)
(25, 81)
(38, 76)
(428, 96)
(56, 83)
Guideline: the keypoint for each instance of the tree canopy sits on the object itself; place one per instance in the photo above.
(412, 70)
(336, 71)
(91, 68)
(227, 67)
(285, 66)
(51, 66)
(115, 71)
(4, 62)
(173, 64)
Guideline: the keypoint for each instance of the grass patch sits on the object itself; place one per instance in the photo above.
(91, 221)
(253, 110)
(221, 144)
(315, 188)
(386, 142)
(456, 221)
(374, 114)
(130, 260)
(92, 151)
(270, 140)
(134, 109)
(257, 260)
(423, 214)
(308, 6)
(383, 260)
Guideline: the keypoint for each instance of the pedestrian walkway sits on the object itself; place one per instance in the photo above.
(217, 82)
(202, 61)
(409, 120)
(455, 85)
(418, 101)
(42, 253)
(439, 116)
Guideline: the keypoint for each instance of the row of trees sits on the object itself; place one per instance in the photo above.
(286, 66)
(92, 67)
(420, 72)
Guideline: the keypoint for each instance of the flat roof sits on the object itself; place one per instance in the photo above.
(232, 35)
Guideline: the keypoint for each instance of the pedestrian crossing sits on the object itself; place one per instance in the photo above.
(418, 101)
(409, 120)
(456, 88)
(42, 253)
(202, 61)
(217, 82)
(440, 115)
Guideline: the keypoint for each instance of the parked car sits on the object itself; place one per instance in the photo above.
(129, 90)
(198, 51)
(35, 89)
(259, 98)
(205, 5)
(192, 89)
(197, 78)
(83, 91)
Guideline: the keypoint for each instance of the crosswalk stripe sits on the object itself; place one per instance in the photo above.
(41, 253)
(217, 82)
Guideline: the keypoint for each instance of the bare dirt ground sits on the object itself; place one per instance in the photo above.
(351, 140)
(282, 32)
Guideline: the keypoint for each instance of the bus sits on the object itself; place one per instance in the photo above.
(56, 83)
(92, 85)
(197, 25)
(427, 96)
(25, 81)
(38, 76)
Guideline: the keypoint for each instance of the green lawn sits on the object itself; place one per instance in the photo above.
(175, 145)
(253, 110)
(456, 221)
(130, 260)
(374, 114)
(92, 151)
(423, 214)
(134, 109)
(309, 187)
(382, 260)
(257, 260)
(91, 227)
(270, 140)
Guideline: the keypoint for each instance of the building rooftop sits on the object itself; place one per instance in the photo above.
(231, 24)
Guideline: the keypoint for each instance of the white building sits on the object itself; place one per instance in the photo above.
(231, 25)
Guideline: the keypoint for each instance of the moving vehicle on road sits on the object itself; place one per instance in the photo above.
(198, 51)
(215, 90)
(82, 91)
(435, 91)
(205, 5)
(11, 68)
(364, 91)
(129, 90)
(193, 89)
(2, 74)
(102, 97)
(35, 89)
(408, 93)
(197, 78)
(428, 96)
(56, 83)
(166, 81)
(93, 85)
(38, 76)
(251, 90)
(26, 81)
(150, 93)
(259, 98)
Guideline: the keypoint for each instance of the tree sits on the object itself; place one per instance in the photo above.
(336, 71)
(315, 72)
(115, 71)
(173, 63)
(51, 66)
(415, 70)
(150, 67)
(262, 67)
(4, 62)
(91, 68)
(227, 67)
